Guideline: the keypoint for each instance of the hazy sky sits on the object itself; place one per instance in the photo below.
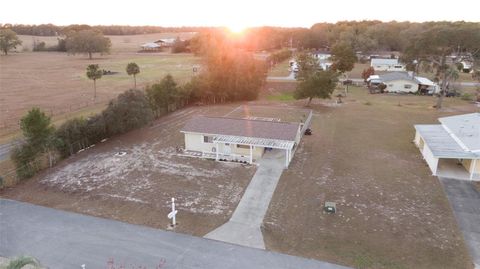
(235, 14)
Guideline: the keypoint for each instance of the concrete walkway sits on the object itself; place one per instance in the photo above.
(465, 201)
(243, 228)
(60, 239)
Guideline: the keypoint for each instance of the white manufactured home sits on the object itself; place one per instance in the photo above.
(452, 148)
(403, 82)
(380, 64)
(243, 140)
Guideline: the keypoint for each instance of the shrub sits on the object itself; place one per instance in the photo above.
(96, 129)
(71, 134)
(20, 262)
(129, 111)
(24, 158)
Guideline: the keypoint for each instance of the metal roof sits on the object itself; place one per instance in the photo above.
(252, 141)
(381, 61)
(465, 129)
(242, 127)
(150, 45)
(392, 76)
(425, 81)
(442, 144)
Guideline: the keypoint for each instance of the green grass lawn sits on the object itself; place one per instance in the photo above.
(280, 70)
(152, 68)
(285, 96)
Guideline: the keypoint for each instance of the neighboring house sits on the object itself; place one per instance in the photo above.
(452, 148)
(323, 59)
(403, 82)
(466, 66)
(380, 64)
(243, 140)
(165, 42)
(150, 46)
(321, 55)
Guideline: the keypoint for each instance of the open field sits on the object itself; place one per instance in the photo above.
(120, 43)
(391, 212)
(56, 82)
(137, 187)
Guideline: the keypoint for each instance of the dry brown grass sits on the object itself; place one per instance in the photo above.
(391, 212)
(56, 82)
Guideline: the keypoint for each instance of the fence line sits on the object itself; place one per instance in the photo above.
(13, 123)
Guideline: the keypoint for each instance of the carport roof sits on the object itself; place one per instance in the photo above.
(263, 142)
(465, 128)
(442, 144)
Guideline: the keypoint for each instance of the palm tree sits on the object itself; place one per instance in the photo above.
(94, 73)
(133, 69)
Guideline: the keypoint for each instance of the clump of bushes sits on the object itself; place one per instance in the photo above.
(280, 56)
(42, 46)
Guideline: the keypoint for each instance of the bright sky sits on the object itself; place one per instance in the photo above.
(235, 14)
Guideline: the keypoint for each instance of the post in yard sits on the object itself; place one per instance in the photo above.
(172, 215)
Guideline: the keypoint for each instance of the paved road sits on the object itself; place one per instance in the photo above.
(6, 148)
(465, 201)
(243, 228)
(62, 239)
(5, 151)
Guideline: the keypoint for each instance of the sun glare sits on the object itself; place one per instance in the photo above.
(236, 28)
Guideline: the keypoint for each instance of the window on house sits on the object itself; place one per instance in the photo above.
(207, 139)
(390, 85)
(243, 146)
(407, 86)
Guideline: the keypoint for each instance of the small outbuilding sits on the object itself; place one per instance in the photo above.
(243, 140)
(452, 148)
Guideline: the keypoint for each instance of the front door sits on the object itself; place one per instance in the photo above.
(227, 149)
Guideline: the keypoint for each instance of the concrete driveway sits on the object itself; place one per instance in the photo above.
(244, 227)
(62, 239)
(465, 201)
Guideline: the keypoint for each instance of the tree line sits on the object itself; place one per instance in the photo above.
(55, 30)
(365, 36)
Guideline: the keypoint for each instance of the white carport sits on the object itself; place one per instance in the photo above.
(255, 142)
(440, 149)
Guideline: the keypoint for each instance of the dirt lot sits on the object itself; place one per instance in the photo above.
(137, 187)
(391, 212)
(56, 82)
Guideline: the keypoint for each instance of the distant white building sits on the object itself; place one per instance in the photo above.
(323, 59)
(166, 42)
(452, 148)
(402, 82)
(380, 64)
(150, 46)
